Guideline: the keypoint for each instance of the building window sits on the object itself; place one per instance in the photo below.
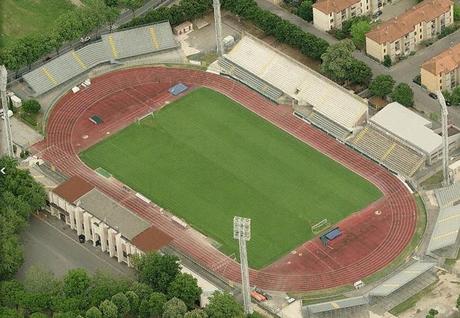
(125, 254)
(420, 36)
(332, 20)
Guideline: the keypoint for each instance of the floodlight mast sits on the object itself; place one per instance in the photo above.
(242, 233)
(218, 27)
(8, 136)
(445, 141)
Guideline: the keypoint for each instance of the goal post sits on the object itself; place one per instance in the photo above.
(320, 226)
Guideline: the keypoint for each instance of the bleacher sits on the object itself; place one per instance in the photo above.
(328, 125)
(93, 54)
(117, 45)
(249, 79)
(388, 151)
(448, 196)
(139, 41)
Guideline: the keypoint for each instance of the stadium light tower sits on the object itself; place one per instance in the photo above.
(218, 27)
(6, 121)
(242, 233)
(445, 142)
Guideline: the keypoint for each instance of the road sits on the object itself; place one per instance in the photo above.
(404, 71)
(52, 245)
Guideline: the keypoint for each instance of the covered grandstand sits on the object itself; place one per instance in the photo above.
(117, 45)
(346, 307)
(272, 73)
(446, 229)
(402, 145)
(448, 196)
(402, 278)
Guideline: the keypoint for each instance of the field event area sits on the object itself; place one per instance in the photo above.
(206, 159)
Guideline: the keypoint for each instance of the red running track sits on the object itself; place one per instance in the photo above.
(373, 237)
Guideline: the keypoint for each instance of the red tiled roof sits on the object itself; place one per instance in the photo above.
(328, 6)
(151, 239)
(401, 25)
(73, 189)
(445, 62)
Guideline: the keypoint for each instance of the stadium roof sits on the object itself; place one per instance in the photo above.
(408, 126)
(298, 81)
(337, 304)
(448, 195)
(113, 214)
(446, 228)
(402, 278)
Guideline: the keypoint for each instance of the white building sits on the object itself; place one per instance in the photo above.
(103, 221)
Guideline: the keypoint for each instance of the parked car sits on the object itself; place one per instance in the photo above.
(10, 113)
(85, 39)
(81, 238)
(433, 95)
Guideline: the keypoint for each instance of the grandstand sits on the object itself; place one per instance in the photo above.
(387, 150)
(446, 229)
(139, 41)
(403, 145)
(348, 307)
(448, 196)
(402, 278)
(264, 69)
(118, 45)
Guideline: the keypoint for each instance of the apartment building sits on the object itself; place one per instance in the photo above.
(402, 35)
(330, 14)
(442, 72)
(104, 222)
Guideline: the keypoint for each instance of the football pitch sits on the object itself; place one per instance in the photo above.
(206, 159)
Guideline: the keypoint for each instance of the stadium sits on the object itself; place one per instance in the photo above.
(257, 135)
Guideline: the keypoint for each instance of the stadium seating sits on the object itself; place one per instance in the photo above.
(117, 45)
(448, 196)
(388, 151)
(139, 41)
(93, 54)
(249, 79)
(328, 125)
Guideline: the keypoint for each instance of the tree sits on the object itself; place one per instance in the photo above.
(133, 301)
(337, 60)
(222, 305)
(359, 72)
(403, 94)
(196, 313)
(454, 96)
(111, 3)
(76, 282)
(38, 315)
(382, 85)
(185, 287)
(358, 32)
(142, 290)
(387, 61)
(157, 271)
(31, 106)
(305, 10)
(108, 309)
(93, 312)
(456, 12)
(103, 286)
(174, 308)
(122, 302)
(153, 306)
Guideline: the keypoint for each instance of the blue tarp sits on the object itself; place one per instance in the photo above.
(178, 89)
(333, 234)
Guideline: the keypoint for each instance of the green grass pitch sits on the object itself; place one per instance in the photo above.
(206, 159)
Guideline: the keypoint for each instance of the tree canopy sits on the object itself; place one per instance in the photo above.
(382, 85)
(223, 305)
(403, 94)
(305, 10)
(358, 32)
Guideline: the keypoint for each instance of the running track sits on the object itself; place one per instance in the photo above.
(373, 237)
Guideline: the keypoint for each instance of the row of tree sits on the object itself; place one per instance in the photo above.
(162, 290)
(384, 86)
(67, 27)
(19, 196)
